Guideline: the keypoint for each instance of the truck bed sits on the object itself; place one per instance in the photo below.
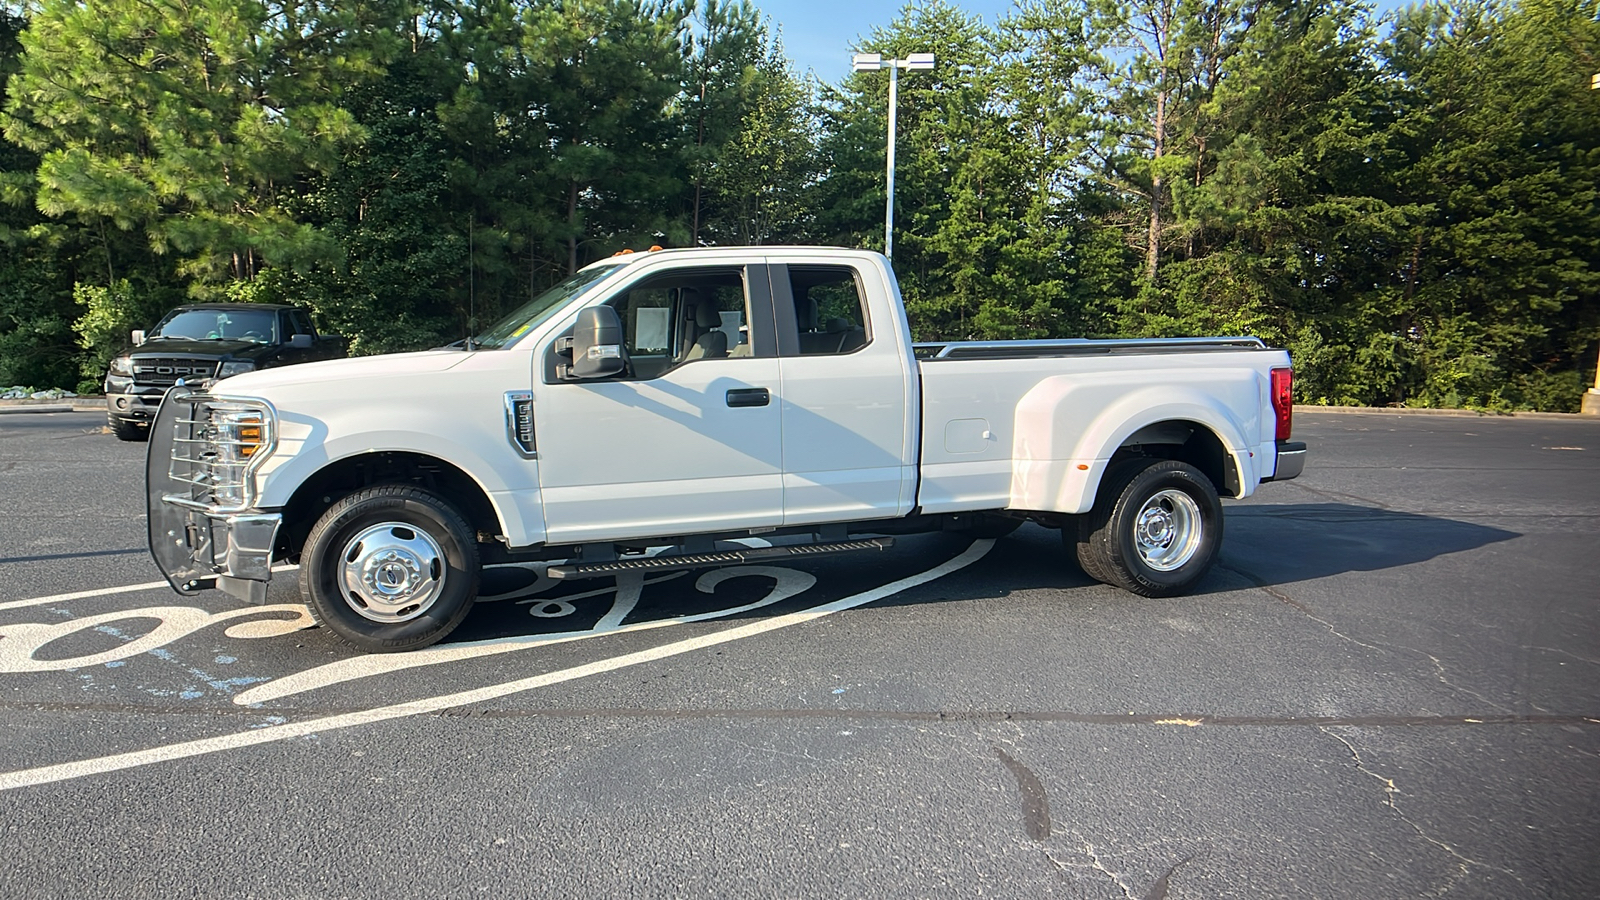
(1032, 425)
(928, 352)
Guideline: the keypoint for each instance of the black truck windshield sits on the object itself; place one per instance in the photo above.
(259, 326)
(508, 330)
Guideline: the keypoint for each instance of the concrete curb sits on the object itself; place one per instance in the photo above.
(1460, 413)
(82, 403)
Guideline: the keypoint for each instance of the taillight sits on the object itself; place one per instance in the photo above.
(1283, 401)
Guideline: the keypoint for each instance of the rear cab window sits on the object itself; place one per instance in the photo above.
(821, 309)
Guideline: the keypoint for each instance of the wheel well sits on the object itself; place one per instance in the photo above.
(1188, 442)
(346, 476)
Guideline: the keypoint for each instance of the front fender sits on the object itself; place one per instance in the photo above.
(463, 427)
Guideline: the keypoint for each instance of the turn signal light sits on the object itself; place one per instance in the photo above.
(249, 438)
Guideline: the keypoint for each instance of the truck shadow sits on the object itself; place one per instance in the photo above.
(1265, 544)
(1273, 544)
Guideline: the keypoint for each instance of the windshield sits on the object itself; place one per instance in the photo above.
(510, 329)
(258, 326)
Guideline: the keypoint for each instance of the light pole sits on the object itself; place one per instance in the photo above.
(869, 62)
(1591, 397)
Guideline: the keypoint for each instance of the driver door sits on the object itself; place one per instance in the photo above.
(689, 439)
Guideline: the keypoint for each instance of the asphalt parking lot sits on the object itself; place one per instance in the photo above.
(1389, 687)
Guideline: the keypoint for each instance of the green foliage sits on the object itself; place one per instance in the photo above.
(186, 121)
(109, 315)
(1409, 205)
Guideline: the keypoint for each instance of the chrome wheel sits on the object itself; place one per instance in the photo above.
(1167, 530)
(392, 572)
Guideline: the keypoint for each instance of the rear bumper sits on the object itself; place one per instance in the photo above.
(1291, 461)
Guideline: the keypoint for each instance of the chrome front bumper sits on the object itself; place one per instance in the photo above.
(197, 546)
(136, 407)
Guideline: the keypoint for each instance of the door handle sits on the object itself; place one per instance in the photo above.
(749, 397)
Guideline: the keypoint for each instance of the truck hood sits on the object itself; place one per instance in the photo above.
(191, 349)
(334, 371)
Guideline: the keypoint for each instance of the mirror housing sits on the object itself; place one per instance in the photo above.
(300, 341)
(597, 350)
(137, 336)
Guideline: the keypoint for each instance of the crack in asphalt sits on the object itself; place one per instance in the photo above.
(1439, 669)
(1390, 792)
(1262, 585)
(1094, 864)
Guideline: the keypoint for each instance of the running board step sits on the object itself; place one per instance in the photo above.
(574, 571)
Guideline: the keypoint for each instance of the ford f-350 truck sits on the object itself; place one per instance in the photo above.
(656, 410)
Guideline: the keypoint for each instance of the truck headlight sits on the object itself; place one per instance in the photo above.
(241, 436)
(235, 367)
(122, 365)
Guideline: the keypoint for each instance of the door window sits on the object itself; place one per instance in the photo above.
(685, 316)
(299, 323)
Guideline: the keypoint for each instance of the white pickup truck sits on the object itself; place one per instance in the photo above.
(656, 410)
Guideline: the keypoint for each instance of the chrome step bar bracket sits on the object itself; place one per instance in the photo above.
(574, 571)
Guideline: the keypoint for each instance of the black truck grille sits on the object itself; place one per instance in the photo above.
(166, 372)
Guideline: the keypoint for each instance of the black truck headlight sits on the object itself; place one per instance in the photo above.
(122, 365)
(235, 367)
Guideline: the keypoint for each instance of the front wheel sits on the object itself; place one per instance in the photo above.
(390, 568)
(126, 430)
(1154, 530)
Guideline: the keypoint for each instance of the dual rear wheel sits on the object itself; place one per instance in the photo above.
(1154, 529)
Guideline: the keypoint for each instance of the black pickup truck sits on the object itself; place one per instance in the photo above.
(202, 343)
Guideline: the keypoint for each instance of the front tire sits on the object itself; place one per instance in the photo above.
(128, 431)
(1154, 530)
(390, 568)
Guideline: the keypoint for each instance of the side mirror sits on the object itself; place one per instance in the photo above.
(300, 342)
(137, 336)
(597, 350)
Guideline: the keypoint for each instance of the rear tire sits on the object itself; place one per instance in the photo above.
(390, 568)
(126, 430)
(1154, 530)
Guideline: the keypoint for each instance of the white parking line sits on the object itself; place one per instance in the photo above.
(101, 765)
(786, 584)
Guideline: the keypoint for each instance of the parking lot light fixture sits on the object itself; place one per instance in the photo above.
(869, 62)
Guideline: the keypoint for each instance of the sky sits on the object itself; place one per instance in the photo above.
(818, 34)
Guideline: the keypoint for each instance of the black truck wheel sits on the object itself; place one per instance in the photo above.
(126, 430)
(1154, 529)
(390, 568)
